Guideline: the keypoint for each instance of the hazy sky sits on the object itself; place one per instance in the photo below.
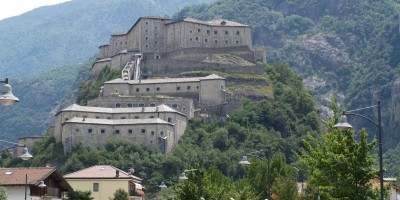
(9, 8)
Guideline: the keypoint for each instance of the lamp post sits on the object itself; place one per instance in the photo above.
(7, 97)
(183, 177)
(343, 126)
(267, 153)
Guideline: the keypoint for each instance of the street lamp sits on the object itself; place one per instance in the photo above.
(25, 153)
(343, 126)
(267, 153)
(7, 97)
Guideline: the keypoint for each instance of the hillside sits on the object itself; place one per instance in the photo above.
(69, 33)
(54, 46)
(344, 48)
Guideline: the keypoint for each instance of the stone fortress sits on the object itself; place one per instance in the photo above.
(155, 111)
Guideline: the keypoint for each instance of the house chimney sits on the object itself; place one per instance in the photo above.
(117, 173)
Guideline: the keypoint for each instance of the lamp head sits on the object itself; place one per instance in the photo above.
(162, 186)
(41, 184)
(25, 155)
(183, 176)
(343, 125)
(7, 97)
(244, 161)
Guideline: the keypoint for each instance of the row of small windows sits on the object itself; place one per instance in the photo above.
(158, 89)
(215, 32)
(117, 131)
(116, 44)
(215, 41)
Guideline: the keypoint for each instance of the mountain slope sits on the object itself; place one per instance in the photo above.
(349, 49)
(69, 33)
(40, 50)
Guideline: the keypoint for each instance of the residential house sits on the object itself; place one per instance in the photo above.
(104, 180)
(33, 183)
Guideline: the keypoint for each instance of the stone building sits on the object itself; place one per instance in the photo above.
(183, 105)
(209, 90)
(158, 127)
(158, 38)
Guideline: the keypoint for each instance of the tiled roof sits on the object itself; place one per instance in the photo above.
(215, 22)
(165, 80)
(160, 108)
(100, 172)
(117, 121)
(16, 176)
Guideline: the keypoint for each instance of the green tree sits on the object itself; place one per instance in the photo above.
(79, 195)
(339, 165)
(3, 193)
(120, 194)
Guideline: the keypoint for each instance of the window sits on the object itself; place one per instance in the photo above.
(152, 105)
(108, 117)
(66, 119)
(155, 27)
(162, 133)
(151, 117)
(130, 131)
(143, 130)
(147, 30)
(117, 131)
(129, 105)
(208, 31)
(215, 32)
(97, 117)
(222, 87)
(237, 32)
(178, 88)
(191, 39)
(141, 105)
(174, 106)
(197, 87)
(136, 117)
(152, 133)
(90, 130)
(226, 32)
(169, 119)
(147, 89)
(102, 130)
(215, 41)
(123, 117)
(137, 90)
(198, 30)
(190, 31)
(237, 42)
(226, 41)
(95, 187)
(77, 129)
(206, 40)
(188, 87)
(147, 22)
(197, 38)
(156, 42)
(118, 105)
(158, 89)
(146, 38)
(146, 46)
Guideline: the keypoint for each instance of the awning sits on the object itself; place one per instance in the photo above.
(138, 186)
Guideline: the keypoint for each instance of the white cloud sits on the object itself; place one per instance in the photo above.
(9, 8)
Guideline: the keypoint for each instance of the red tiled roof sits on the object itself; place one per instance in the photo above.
(16, 176)
(100, 172)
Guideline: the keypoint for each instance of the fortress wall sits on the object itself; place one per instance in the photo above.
(173, 67)
(97, 67)
(117, 43)
(186, 34)
(212, 92)
(180, 104)
(198, 54)
(77, 133)
(103, 51)
(120, 60)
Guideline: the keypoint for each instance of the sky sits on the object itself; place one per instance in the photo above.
(10, 8)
